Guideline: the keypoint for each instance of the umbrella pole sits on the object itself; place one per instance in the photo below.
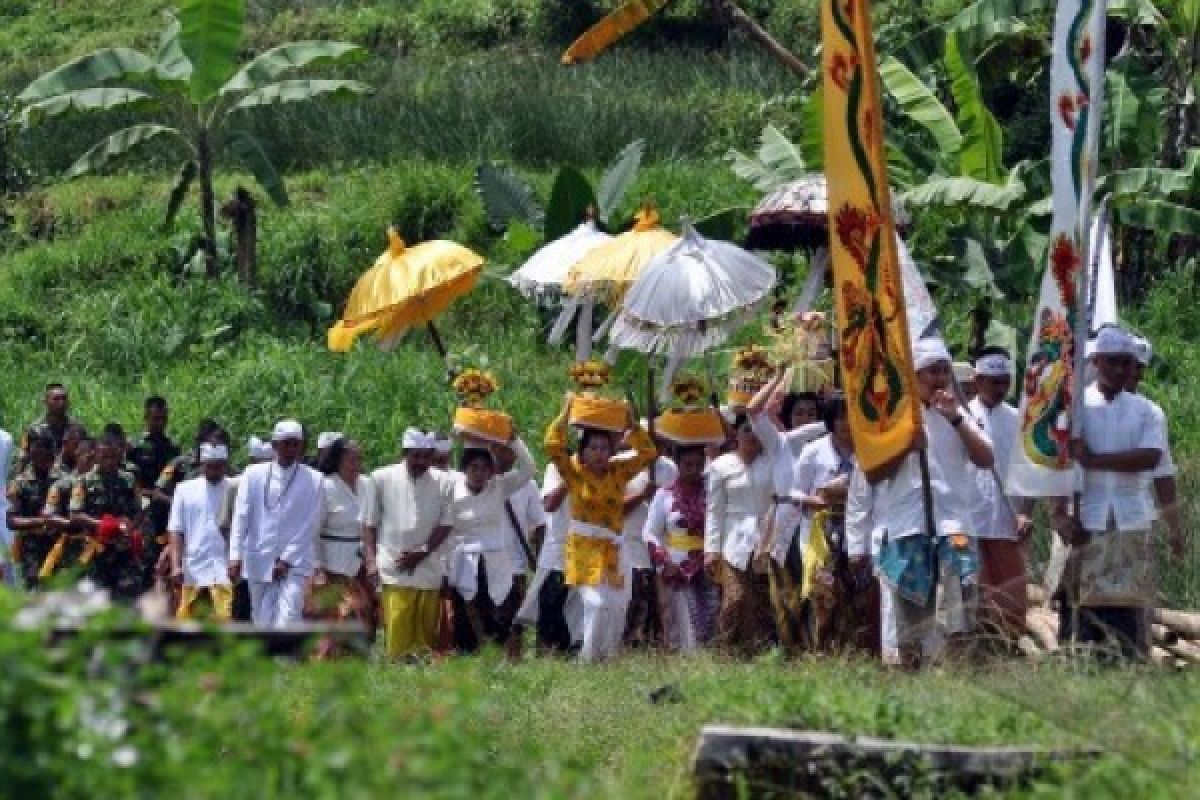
(583, 330)
(651, 411)
(440, 346)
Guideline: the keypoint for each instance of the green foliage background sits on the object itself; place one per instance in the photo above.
(93, 293)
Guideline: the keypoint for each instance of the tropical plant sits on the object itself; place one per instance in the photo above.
(193, 83)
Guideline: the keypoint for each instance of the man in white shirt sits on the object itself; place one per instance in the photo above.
(930, 573)
(1001, 531)
(7, 570)
(199, 563)
(408, 520)
(643, 624)
(527, 531)
(1109, 577)
(1163, 476)
(275, 522)
(547, 594)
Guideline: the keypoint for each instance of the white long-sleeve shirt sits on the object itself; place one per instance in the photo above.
(995, 518)
(339, 545)
(480, 521)
(739, 495)
(195, 508)
(635, 519)
(276, 517)
(1127, 423)
(557, 524)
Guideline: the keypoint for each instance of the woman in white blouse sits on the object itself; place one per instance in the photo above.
(486, 586)
(741, 490)
(340, 587)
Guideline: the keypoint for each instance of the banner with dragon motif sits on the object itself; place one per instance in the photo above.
(874, 347)
(1041, 465)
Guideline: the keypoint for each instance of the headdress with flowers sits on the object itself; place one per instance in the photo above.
(474, 386)
(590, 374)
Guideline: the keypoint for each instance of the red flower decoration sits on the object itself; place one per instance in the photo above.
(1066, 110)
(855, 230)
(1065, 262)
(842, 68)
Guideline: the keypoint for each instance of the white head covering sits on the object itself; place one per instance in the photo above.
(327, 438)
(287, 429)
(441, 445)
(1143, 351)
(1114, 341)
(993, 365)
(259, 450)
(929, 351)
(213, 452)
(416, 439)
(963, 372)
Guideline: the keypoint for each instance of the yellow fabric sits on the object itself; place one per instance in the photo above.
(691, 426)
(816, 553)
(685, 542)
(613, 266)
(874, 348)
(595, 411)
(219, 599)
(410, 620)
(597, 499)
(598, 38)
(494, 426)
(406, 287)
(591, 561)
(53, 558)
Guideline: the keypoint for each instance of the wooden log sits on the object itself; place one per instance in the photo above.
(1184, 623)
(1035, 595)
(1162, 635)
(760, 762)
(1043, 627)
(1029, 647)
(1188, 651)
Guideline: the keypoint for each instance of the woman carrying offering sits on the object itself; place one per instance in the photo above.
(598, 572)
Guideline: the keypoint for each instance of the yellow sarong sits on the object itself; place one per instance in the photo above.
(219, 603)
(816, 553)
(410, 620)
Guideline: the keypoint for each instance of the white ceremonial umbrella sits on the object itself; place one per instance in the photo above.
(546, 271)
(691, 297)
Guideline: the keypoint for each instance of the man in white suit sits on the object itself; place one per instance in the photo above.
(275, 522)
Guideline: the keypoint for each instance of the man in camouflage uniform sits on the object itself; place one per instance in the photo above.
(67, 462)
(53, 424)
(153, 449)
(26, 499)
(105, 503)
(71, 542)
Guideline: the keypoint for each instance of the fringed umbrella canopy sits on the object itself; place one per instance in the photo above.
(408, 286)
(692, 297)
(611, 268)
(796, 215)
(546, 270)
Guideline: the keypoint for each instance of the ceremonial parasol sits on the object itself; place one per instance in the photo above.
(546, 272)
(796, 215)
(408, 286)
(691, 297)
(612, 267)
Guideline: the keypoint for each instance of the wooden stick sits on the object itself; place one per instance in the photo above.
(1162, 658)
(1184, 623)
(1188, 651)
(1163, 635)
(1043, 631)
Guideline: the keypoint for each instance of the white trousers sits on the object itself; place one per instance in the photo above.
(278, 604)
(678, 631)
(596, 617)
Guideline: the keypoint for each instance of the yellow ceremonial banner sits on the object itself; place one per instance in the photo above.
(874, 348)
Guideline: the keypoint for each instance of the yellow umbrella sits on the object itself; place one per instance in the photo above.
(613, 266)
(406, 287)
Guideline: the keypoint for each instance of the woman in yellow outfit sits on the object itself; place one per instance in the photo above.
(597, 571)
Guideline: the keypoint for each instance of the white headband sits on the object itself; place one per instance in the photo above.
(327, 438)
(416, 439)
(259, 450)
(963, 372)
(1143, 351)
(1113, 341)
(927, 352)
(213, 452)
(287, 429)
(442, 446)
(993, 365)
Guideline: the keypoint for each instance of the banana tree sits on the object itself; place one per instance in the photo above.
(195, 96)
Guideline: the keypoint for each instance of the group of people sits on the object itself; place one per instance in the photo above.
(773, 537)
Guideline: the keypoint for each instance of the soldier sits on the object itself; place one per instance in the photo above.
(153, 449)
(54, 422)
(104, 503)
(26, 499)
(68, 459)
(72, 538)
